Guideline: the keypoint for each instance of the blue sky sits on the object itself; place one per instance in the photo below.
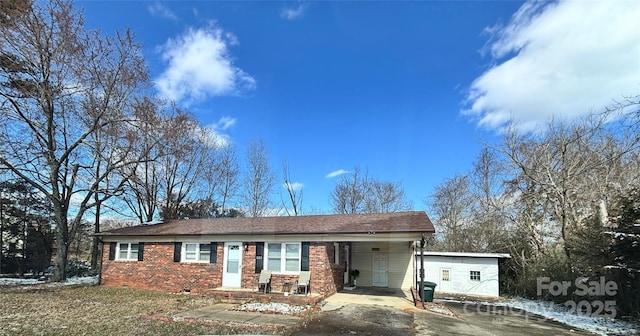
(407, 89)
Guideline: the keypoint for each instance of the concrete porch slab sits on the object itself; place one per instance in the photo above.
(391, 297)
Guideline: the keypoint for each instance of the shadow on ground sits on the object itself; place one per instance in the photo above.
(355, 319)
(369, 319)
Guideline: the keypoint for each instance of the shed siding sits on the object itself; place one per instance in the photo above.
(460, 274)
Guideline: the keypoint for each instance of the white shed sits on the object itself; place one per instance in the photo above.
(463, 272)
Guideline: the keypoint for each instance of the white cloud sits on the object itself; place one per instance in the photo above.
(292, 13)
(215, 133)
(558, 60)
(199, 66)
(336, 173)
(295, 186)
(225, 122)
(158, 9)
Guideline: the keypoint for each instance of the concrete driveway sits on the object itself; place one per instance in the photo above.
(371, 319)
(391, 312)
(480, 320)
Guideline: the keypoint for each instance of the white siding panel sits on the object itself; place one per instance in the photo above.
(400, 267)
(460, 274)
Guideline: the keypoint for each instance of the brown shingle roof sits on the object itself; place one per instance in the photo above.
(397, 222)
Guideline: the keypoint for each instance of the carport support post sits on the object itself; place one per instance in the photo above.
(421, 292)
(415, 265)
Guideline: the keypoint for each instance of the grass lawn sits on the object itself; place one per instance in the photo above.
(95, 310)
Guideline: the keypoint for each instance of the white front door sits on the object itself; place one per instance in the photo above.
(232, 273)
(445, 280)
(380, 268)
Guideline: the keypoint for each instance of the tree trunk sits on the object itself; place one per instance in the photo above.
(61, 244)
(95, 245)
(62, 251)
(1, 232)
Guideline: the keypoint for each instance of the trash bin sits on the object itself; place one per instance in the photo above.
(429, 288)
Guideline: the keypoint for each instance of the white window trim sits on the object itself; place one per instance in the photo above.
(336, 253)
(128, 258)
(283, 258)
(471, 277)
(183, 253)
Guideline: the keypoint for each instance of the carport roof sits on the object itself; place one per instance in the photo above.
(397, 222)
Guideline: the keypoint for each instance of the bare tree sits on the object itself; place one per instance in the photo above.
(258, 181)
(176, 151)
(385, 196)
(187, 148)
(350, 193)
(60, 85)
(223, 178)
(356, 192)
(293, 191)
(490, 209)
(110, 148)
(451, 205)
(569, 167)
(11, 9)
(142, 189)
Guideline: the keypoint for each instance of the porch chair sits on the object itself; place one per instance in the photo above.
(303, 281)
(264, 280)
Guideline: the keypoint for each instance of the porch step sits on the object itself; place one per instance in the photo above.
(246, 296)
(233, 300)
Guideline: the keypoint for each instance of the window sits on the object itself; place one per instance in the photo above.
(445, 275)
(128, 251)
(474, 275)
(283, 257)
(196, 252)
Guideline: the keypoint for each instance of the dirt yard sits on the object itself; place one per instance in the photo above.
(94, 310)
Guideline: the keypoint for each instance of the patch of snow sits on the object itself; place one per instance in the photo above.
(18, 281)
(622, 267)
(274, 308)
(563, 314)
(93, 280)
(439, 308)
(622, 235)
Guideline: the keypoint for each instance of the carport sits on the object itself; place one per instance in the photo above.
(382, 263)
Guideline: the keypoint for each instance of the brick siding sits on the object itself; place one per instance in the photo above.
(158, 271)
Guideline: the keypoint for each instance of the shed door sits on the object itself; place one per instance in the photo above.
(380, 269)
(232, 274)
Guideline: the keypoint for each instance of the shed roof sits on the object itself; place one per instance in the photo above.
(397, 222)
(466, 254)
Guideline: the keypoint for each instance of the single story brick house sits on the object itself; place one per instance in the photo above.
(199, 255)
